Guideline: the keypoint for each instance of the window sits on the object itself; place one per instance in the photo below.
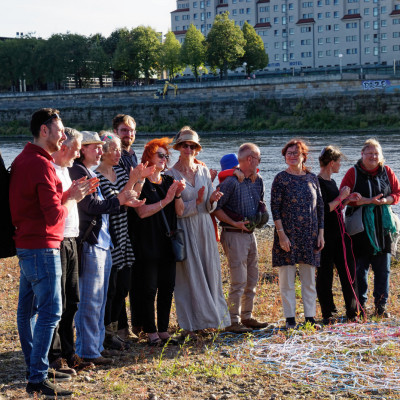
(396, 21)
(263, 9)
(353, 11)
(336, 53)
(176, 17)
(307, 15)
(276, 32)
(234, 1)
(336, 14)
(283, 8)
(327, 2)
(367, 50)
(397, 7)
(396, 34)
(375, 11)
(202, 4)
(366, 11)
(327, 14)
(328, 40)
(291, 31)
(283, 20)
(276, 20)
(291, 43)
(351, 25)
(367, 38)
(307, 4)
(383, 49)
(275, 8)
(319, 3)
(195, 4)
(383, 36)
(195, 16)
(276, 45)
(366, 25)
(351, 51)
(208, 14)
(202, 15)
(320, 41)
(320, 54)
(241, 23)
(376, 25)
(284, 45)
(327, 27)
(335, 2)
(396, 47)
(284, 57)
(320, 28)
(305, 29)
(383, 10)
(248, 10)
(185, 17)
(291, 18)
(276, 57)
(291, 56)
(384, 23)
(336, 27)
(319, 15)
(291, 7)
(241, 10)
(284, 33)
(306, 54)
(336, 40)
(328, 53)
(305, 42)
(376, 51)
(234, 12)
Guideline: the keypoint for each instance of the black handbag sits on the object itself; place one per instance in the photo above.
(177, 240)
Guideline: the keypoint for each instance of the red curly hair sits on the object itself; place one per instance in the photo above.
(302, 147)
(150, 148)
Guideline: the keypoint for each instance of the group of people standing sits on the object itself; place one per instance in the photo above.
(93, 225)
(310, 231)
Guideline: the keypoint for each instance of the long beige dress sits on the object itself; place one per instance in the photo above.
(199, 299)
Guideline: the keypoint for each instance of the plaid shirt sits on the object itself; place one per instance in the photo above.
(241, 198)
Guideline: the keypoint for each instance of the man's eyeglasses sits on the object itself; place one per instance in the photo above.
(256, 158)
(125, 130)
(192, 146)
(52, 116)
(162, 155)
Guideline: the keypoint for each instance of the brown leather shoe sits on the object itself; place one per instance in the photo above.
(61, 365)
(127, 334)
(100, 360)
(237, 327)
(253, 323)
(78, 364)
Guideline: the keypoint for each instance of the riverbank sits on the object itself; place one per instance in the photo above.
(227, 367)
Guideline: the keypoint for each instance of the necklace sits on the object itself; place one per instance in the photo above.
(156, 182)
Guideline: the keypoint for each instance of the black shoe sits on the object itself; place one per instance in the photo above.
(47, 389)
(381, 312)
(115, 343)
(54, 375)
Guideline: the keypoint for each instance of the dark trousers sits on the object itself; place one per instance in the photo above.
(118, 288)
(380, 264)
(135, 296)
(63, 344)
(154, 278)
(333, 255)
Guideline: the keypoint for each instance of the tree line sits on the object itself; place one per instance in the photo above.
(128, 55)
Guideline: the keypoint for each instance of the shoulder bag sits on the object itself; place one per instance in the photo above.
(177, 240)
(354, 222)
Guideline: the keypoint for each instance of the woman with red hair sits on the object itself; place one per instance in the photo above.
(154, 271)
(298, 211)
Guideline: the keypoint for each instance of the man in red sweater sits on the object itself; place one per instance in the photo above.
(38, 209)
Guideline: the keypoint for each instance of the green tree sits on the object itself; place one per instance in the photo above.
(255, 56)
(170, 58)
(225, 44)
(193, 51)
(137, 53)
(99, 61)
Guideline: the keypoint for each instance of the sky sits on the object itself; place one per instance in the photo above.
(86, 17)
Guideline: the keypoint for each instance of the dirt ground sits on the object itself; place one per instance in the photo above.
(217, 366)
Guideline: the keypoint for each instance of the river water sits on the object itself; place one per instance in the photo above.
(272, 162)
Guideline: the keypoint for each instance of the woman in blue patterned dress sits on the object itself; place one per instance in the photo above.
(298, 213)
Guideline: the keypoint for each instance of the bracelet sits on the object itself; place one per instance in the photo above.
(280, 230)
(139, 182)
(178, 197)
(161, 205)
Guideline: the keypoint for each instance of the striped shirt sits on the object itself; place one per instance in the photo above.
(122, 253)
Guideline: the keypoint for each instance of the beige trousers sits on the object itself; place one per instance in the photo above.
(287, 275)
(241, 252)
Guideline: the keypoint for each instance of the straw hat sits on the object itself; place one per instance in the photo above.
(186, 136)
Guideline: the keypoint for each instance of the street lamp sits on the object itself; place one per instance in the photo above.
(340, 64)
(201, 72)
(244, 67)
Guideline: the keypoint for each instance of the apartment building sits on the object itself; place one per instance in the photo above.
(306, 34)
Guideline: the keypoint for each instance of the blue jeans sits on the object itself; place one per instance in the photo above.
(380, 264)
(93, 286)
(39, 307)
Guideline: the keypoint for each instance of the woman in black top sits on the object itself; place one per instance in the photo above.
(336, 240)
(154, 270)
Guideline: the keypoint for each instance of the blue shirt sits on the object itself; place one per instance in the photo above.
(241, 198)
(128, 160)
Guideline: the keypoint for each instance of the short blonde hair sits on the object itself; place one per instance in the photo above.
(247, 149)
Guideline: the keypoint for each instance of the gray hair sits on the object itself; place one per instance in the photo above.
(247, 149)
(108, 138)
(72, 136)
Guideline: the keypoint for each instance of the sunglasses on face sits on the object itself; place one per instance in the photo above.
(162, 156)
(53, 116)
(192, 146)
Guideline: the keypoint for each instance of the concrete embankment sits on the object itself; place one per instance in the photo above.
(230, 101)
